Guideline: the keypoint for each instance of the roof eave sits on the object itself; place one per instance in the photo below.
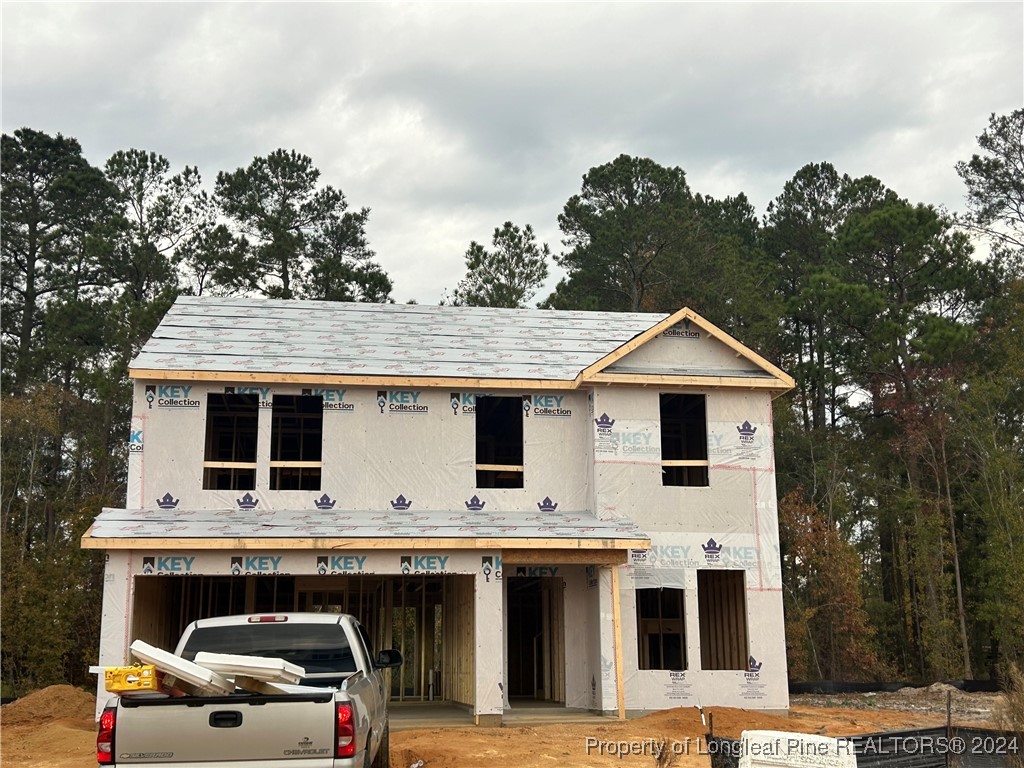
(342, 544)
(269, 377)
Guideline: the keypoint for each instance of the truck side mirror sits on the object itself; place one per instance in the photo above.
(389, 659)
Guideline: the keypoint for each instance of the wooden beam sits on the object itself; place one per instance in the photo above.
(565, 557)
(696, 382)
(390, 382)
(589, 545)
(620, 691)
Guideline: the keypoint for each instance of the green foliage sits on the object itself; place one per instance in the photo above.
(638, 239)
(51, 588)
(629, 220)
(213, 261)
(801, 229)
(995, 181)
(161, 212)
(53, 204)
(506, 276)
(301, 241)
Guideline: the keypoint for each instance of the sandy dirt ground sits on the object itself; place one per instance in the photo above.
(54, 728)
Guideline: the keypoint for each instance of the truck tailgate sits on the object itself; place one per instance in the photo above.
(226, 728)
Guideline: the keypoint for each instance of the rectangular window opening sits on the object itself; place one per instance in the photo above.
(661, 639)
(499, 442)
(296, 442)
(684, 440)
(229, 459)
(722, 606)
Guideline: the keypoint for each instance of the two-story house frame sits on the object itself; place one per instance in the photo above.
(532, 505)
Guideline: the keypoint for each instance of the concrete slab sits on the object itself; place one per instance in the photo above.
(548, 715)
(407, 716)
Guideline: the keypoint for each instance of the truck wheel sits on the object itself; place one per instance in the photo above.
(383, 759)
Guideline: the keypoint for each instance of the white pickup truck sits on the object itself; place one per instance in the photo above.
(344, 724)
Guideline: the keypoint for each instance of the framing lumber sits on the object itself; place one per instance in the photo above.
(565, 556)
(699, 382)
(500, 467)
(620, 691)
(389, 382)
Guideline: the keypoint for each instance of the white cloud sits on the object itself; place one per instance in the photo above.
(449, 119)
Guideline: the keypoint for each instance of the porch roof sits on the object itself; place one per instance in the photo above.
(345, 529)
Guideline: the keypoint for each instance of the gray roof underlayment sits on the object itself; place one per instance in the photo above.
(316, 523)
(248, 335)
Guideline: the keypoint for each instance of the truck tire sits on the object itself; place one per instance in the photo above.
(383, 759)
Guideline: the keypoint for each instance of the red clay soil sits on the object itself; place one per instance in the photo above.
(54, 728)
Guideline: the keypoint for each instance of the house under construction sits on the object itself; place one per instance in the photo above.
(532, 505)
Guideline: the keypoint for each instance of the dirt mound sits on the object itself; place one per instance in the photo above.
(727, 721)
(58, 702)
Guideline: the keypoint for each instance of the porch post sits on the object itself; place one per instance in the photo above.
(489, 659)
(620, 691)
(115, 621)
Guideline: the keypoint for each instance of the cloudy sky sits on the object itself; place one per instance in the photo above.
(447, 119)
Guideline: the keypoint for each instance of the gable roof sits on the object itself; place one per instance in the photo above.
(265, 340)
(604, 371)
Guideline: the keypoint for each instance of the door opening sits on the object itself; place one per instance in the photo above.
(536, 639)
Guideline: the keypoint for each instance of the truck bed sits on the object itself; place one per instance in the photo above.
(238, 727)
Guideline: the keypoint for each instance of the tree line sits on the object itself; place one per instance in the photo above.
(900, 455)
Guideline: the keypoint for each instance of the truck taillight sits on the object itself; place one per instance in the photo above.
(345, 731)
(267, 619)
(105, 737)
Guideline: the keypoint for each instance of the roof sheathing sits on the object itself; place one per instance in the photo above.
(223, 528)
(218, 338)
(318, 342)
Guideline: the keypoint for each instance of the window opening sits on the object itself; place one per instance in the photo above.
(684, 440)
(296, 440)
(499, 442)
(661, 639)
(229, 461)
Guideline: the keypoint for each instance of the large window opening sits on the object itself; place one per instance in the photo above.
(499, 442)
(661, 641)
(230, 457)
(296, 443)
(684, 440)
(722, 605)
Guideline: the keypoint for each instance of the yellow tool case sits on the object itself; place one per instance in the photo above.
(135, 679)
